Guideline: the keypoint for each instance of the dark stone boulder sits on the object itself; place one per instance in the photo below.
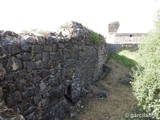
(101, 94)
(74, 91)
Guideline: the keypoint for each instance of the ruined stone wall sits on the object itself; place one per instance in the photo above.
(120, 41)
(115, 48)
(132, 38)
(129, 41)
(43, 76)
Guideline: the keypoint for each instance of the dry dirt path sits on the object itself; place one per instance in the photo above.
(119, 101)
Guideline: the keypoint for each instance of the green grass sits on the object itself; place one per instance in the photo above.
(125, 58)
(132, 55)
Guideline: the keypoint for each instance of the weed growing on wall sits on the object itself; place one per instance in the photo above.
(94, 37)
(124, 60)
(33, 54)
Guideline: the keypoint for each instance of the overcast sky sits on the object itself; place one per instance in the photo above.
(133, 15)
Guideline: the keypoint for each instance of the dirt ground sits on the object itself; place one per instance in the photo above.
(119, 102)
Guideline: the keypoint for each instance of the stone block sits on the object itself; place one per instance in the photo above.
(39, 64)
(30, 66)
(37, 79)
(37, 99)
(25, 47)
(26, 56)
(58, 112)
(3, 53)
(36, 49)
(44, 102)
(2, 72)
(47, 48)
(20, 84)
(42, 86)
(44, 73)
(31, 40)
(17, 96)
(38, 56)
(74, 91)
(13, 64)
(45, 56)
(14, 48)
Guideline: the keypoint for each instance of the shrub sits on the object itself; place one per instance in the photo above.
(146, 83)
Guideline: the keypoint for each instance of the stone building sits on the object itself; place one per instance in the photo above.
(119, 41)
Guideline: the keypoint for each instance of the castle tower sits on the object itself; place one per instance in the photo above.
(113, 27)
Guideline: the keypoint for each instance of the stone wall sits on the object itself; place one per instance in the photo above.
(43, 77)
(121, 41)
(115, 48)
(132, 38)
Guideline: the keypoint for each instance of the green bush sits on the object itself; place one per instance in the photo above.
(146, 83)
(94, 37)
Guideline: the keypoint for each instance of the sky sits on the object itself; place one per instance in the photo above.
(133, 15)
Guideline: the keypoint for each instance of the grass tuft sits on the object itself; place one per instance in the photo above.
(94, 37)
(122, 59)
